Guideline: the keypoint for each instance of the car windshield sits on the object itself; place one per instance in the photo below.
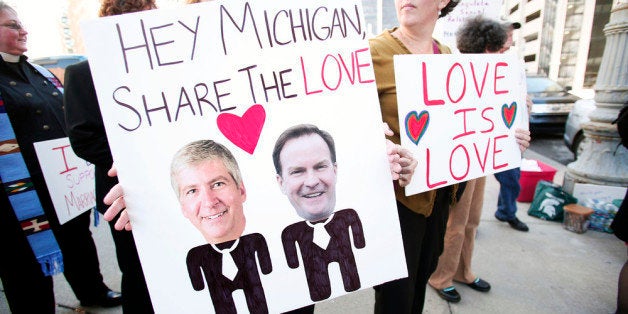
(58, 62)
(542, 85)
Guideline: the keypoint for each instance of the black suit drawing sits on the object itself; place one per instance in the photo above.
(317, 259)
(205, 260)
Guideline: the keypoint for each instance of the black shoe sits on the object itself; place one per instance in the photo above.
(515, 223)
(480, 285)
(109, 299)
(449, 294)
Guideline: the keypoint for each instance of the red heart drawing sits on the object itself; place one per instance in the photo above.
(243, 131)
(416, 125)
(509, 113)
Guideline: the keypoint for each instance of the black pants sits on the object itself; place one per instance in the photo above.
(135, 297)
(80, 258)
(423, 240)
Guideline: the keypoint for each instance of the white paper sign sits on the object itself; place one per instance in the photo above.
(458, 115)
(241, 73)
(605, 193)
(70, 179)
(446, 27)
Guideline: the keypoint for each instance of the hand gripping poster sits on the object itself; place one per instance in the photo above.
(458, 114)
(248, 140)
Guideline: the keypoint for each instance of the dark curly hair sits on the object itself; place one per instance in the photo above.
(479, 34)
(448, 8)
(117, 7)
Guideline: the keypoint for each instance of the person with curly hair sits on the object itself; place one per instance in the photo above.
(477, 35)
(117, 7)
(481, 35)
(89, 141)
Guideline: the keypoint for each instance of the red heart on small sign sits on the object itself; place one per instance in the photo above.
(416, 125)
(243, 131)
(509, 113)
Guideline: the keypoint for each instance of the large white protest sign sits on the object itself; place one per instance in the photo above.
(458, 115)
(241, 73)
(70, 179)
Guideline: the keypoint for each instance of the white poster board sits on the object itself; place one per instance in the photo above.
(70, 179)
(239, 73)
(446, 27)
(601, 193)
(458, 115)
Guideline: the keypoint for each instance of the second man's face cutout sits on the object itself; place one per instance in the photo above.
(308, 177)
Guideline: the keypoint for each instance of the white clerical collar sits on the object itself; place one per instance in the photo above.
(9, 57)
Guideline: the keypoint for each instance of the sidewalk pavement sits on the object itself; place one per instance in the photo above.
(545, 270)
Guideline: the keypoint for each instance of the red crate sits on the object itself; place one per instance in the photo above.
(529, 179)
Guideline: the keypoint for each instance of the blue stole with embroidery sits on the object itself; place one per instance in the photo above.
(23, 199)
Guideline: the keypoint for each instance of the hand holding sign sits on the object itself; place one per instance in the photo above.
(244, 82)
(472, 99)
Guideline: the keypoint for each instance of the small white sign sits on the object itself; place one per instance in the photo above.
(606, 193)
(446, 27)
(70, 179)
(458, 115)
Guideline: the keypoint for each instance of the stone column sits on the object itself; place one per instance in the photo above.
(604, 160)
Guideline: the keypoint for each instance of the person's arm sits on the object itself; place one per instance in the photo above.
(523, 136)
(82, 114)
(523, 139)
(402, 162)
(115, 200)
(408, 165)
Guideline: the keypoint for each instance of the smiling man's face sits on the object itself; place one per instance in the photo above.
(308, 176)
(212, 200)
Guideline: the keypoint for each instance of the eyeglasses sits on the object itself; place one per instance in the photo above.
(14, 26)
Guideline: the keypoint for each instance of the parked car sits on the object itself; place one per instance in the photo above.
(57, 64)
(573, 127)
(551, 104)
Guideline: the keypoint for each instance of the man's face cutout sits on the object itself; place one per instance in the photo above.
(308, 176)
(212, 201)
